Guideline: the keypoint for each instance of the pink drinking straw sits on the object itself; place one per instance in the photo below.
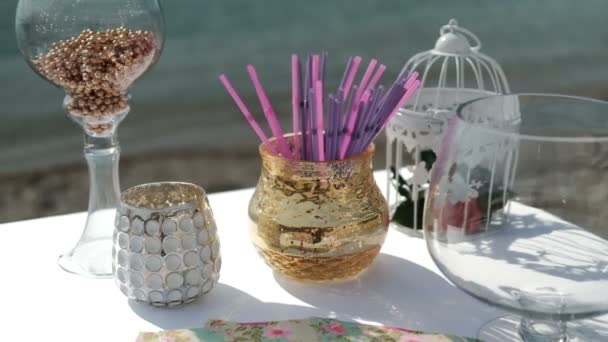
(320, 125)
(352, 119)
(271, 116)
(350, 78)
(237, 99)
(413, 77)
(410, 91)
(357, 100)
(365, 79)
(376, 77)
(315, 69)
(295, 104)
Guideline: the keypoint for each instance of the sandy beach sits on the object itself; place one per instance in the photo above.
(64, 189)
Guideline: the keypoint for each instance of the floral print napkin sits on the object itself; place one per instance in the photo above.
(300, 330)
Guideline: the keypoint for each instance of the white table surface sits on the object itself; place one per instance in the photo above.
(41, 302)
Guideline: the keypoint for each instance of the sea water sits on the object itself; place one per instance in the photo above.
(544, 46)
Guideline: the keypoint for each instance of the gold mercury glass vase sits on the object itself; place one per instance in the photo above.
(318, 221)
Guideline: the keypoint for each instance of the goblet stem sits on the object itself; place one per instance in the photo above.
(92, 255)
(531, 330)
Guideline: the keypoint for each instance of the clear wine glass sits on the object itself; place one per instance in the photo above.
(516, 213)
(94, 50)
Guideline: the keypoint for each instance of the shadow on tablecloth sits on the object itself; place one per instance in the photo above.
(223, 302)
(396, 292)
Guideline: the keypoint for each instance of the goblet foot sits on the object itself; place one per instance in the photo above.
(89, 259)
(92, 255)
(516, 329)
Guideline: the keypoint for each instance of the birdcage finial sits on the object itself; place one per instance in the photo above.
(455, 40)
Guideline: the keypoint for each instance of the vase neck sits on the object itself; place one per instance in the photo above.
(92, 142)
(96, 125)
(316, 171)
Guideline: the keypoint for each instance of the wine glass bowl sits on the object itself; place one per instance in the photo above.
(92, 49)
(515, 213)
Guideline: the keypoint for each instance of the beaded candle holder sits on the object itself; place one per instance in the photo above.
(166, 248)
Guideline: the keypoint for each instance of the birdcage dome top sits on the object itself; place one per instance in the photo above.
(452, 43)
(452, 72)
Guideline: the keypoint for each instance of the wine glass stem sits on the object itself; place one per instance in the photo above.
(102, 154)
(532, 330)
(92, 255)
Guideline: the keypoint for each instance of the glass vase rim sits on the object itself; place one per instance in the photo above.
(504, 131)
(183, 206)
(265, 153)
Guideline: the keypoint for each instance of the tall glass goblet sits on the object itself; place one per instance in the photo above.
(517, 211)
(94, 50)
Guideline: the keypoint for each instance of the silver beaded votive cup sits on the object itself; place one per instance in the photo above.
(166, 249)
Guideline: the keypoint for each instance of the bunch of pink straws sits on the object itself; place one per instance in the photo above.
(335, 126)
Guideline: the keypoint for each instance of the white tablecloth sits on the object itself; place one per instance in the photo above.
(41, 302)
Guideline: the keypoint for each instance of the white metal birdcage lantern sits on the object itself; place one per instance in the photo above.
(453, 72)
